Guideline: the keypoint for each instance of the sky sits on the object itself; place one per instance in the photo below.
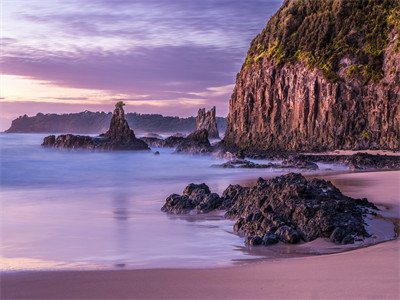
(158, 56)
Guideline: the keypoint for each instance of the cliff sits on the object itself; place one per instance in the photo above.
(96, 122)
(321, 75)
(206, 120)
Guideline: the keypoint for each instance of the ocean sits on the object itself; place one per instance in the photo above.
(101, 210)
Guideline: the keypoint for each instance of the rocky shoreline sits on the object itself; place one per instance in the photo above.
(288, 208)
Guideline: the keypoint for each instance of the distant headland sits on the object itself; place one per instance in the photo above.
(88, 122)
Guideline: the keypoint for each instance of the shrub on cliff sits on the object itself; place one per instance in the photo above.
(322, 32)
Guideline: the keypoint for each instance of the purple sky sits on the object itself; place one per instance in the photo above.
(168, 57)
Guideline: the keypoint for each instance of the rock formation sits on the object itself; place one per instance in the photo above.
(195, 143)
(118, 137)
(286, 164)
(321, 75)
(207, 120)
(287, 208)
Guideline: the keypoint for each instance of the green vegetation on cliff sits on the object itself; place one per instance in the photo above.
(324, 31)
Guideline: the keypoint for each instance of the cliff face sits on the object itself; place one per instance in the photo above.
(207, 120)
(296, 94)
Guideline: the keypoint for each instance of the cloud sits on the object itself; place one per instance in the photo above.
(168, 71)
(153, 53)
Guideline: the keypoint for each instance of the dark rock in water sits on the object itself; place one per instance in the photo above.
(173, 141)
(299, 164)
(196, 198)
(238, 163)
(169, 142)
(287, 164)
(49, 141)
(356, 161)
(74, 142)
(156, 153)
(118, 137)
(287, 208)
(195, 143)
(368, 161)
(295, 209)
(206, 120)
(153, 142)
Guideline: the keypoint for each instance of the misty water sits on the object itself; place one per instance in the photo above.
(80, 209)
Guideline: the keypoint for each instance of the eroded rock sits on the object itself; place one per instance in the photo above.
(286, 208)
(206, 120)
(195, 143)
(118, 137)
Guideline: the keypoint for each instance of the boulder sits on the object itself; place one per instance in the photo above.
(287, 208)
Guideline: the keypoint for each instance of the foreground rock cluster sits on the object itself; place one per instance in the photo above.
(287, 208)
(118, 137)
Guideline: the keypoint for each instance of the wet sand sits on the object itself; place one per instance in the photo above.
(371, 272)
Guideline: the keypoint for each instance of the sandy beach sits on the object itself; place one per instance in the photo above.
(370, 272)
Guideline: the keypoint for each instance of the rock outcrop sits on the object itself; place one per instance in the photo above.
(206, 120)
(195, 143)
(287, 208)
(118, 137)
(286, 164)
(169, 142)
(322, 75)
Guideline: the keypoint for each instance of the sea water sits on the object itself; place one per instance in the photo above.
(79, 209)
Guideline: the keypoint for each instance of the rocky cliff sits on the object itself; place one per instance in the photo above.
(321, 75)
(206, 120)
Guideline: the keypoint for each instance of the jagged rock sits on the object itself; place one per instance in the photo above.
(368, 161)
(206, 120)
(195, 143)
(173, 141)
(299, 164)
(287, 164)
(196, 197)
(295, 209)
(169, 142)
(118, 137)
(356, 161)
(153, 141)
(288, 208)
(239, 163)
(49, 141)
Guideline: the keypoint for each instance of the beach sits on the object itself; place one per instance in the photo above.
(370, 272)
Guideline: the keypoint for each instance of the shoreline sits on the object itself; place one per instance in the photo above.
(364, 272)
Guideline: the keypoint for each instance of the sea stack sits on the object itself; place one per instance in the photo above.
(118, 137)
(322, 75)
(206, 120)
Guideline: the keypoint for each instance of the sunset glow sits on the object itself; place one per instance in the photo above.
(71, 56)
